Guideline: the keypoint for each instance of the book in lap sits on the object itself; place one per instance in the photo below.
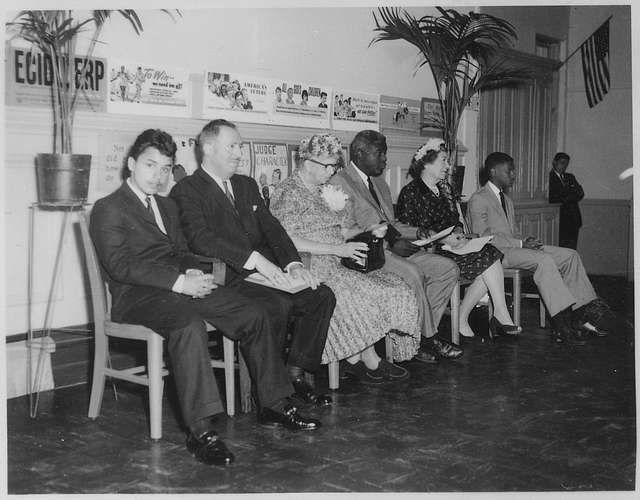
(296, 285)
(471, 246)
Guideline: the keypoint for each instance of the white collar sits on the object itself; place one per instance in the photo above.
(219, 180)
(496, 190)
(142, 196)
(363, 176)
(557, 173)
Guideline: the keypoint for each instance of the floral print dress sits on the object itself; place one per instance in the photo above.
(367, 305)
(419, 206)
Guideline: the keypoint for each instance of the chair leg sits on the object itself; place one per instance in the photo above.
(229, 375)
(517, 297)
(455, 314)
(156, 385)
(334, 375)
(99, 365)
(245, 384)
(543, 313)
(388, 348)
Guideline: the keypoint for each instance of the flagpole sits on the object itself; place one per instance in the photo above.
(578, 47)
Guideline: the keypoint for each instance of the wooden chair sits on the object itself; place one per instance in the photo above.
(516, 276)
(150, 375)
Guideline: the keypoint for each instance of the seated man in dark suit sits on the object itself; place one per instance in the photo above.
(575, 310)
(224, 216)
(144, 257)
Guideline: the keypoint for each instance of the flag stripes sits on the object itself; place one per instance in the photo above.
(595, 64)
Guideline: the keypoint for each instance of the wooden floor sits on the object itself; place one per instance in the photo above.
(522, 415)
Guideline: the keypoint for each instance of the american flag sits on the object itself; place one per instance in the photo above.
(595, 64)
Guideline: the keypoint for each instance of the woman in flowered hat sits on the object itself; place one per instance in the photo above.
(427, 203)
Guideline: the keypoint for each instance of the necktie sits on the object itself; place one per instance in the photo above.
(504, 205)
(149, 207)
(228, 193)
(373, 191)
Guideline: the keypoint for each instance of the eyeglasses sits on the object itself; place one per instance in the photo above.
(334, 166)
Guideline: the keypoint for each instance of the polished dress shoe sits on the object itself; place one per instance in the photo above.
(209, 449)
(305, 393)
(385, 372)
(289, 418)
(425, 356)
(496, 328)
(442, 348)
(598, 331)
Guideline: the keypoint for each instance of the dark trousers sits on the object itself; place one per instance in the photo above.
(311, 311)
(568, 237)
(180, 320)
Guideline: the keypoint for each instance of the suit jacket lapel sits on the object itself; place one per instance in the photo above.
(216, 193)
(136, 205)
(386, 208)
(356, 183)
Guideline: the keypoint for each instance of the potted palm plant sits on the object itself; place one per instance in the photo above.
(462, 53)
(63, 177)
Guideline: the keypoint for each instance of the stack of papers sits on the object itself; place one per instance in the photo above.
(295, 285)
(471, 246)
(435, 237)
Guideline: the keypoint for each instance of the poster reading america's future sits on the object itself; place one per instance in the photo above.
(29, 76)
(237, 97)
(300, 104)
(139, 88)
(355, 110)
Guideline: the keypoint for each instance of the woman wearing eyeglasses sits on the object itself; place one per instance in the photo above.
(368, 305)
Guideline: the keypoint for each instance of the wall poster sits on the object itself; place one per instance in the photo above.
(355, 111)
(400, 113)
(140, 88)
(271, 165)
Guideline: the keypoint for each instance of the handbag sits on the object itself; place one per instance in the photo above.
(375, 255)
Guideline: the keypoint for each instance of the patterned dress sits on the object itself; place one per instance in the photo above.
(368, 305)
(421, 207)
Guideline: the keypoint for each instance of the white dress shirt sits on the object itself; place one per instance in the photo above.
(496, 190)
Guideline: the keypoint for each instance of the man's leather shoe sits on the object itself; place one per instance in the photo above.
(209, 449)
(305, 393)
(598, 331)
(289, 419)
(443, 348)
(424, 356)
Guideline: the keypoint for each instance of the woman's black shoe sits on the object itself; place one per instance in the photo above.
(496, 328)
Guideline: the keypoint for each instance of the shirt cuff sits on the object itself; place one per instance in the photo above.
(178, 286)
(291, 264)
(250, 265)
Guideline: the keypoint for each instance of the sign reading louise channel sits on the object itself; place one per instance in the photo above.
(139, 88)
(29, 77)
(355, 110)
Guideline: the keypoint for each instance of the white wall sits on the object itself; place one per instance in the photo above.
(327, 45)
(600, 139)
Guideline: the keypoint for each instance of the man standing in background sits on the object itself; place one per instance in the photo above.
(564, 189)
